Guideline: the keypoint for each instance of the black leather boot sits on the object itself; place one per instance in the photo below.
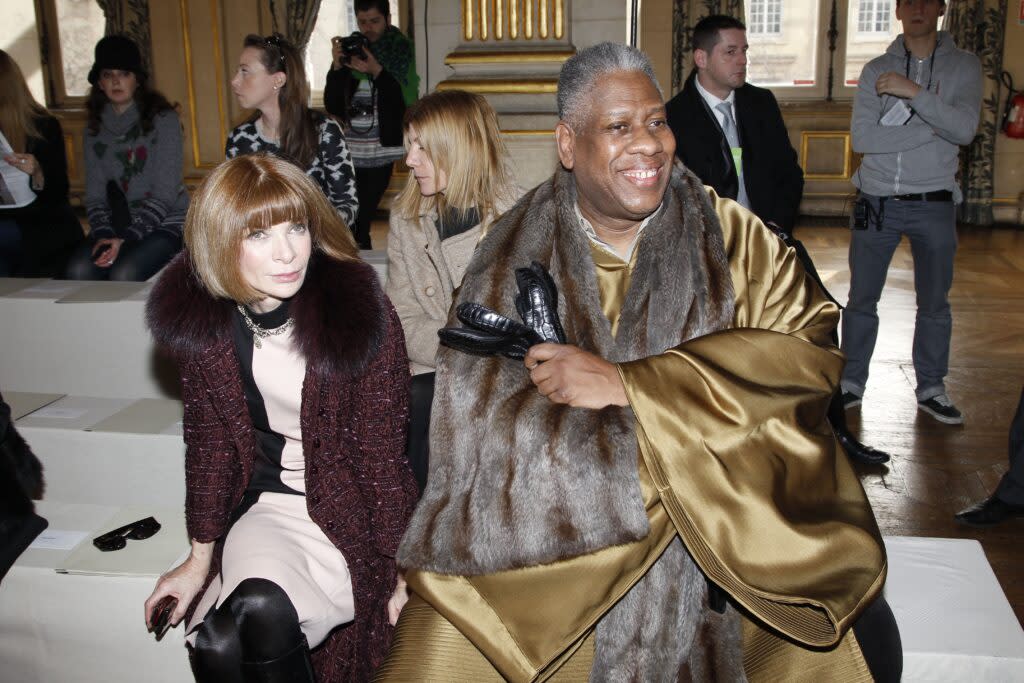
(294, 666)
(855, 450)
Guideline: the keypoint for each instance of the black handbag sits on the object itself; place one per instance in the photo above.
(418, 445)
(120, 215)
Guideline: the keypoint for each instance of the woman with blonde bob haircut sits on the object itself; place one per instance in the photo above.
(295, 383)
(459, 183)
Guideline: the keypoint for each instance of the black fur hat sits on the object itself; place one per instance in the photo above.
(116, 52)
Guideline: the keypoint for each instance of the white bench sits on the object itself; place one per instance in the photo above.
(954, 619)
(88, 338)
(98, 450)
(87, 628)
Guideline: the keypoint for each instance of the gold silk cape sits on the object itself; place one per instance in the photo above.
(736, 456)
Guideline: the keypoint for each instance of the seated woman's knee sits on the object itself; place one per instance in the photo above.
(129, 270)
(265, 616)
(81, 267)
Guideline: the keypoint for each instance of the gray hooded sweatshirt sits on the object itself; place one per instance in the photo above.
(922, 155)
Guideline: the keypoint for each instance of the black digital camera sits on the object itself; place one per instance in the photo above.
(355, 45)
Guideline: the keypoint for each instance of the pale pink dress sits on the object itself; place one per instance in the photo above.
(275, 539)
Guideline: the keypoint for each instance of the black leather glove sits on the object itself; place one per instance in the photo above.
(537, 303)
(487, 332)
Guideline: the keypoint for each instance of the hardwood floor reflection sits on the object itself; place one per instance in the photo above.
(937, 469)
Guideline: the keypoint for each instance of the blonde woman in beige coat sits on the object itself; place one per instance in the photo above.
(459, 183)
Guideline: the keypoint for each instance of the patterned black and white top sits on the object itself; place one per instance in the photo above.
(331, 168)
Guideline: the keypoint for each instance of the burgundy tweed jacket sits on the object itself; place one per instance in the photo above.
(354, 415)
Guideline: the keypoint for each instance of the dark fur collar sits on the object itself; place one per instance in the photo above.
(340, 314)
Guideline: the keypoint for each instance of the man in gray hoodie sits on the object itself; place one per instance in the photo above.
(915, 106)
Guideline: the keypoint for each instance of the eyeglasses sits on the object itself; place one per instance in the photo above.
(137, 531)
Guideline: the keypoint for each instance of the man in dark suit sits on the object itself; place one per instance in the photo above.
(759, 167)
(731, 134)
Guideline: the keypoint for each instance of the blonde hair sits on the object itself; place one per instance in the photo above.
(459, 132)
(18, 109)
(248, 193)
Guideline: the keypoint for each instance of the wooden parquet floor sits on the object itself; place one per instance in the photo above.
(937, 469)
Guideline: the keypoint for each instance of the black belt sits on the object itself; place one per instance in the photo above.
(935, 196)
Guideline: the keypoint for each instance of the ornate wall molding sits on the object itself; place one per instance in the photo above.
(195, 104)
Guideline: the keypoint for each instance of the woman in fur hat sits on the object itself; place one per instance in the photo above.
(295, 384)
(134, 195)
(458, 185)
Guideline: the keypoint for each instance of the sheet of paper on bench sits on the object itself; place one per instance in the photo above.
(58, 539)
(24, 402)
(9, 285)
(102, 292)
(144, 416)
(47, 289)
(75, 412)
(17, 191)
(148, 557)
(81, 517)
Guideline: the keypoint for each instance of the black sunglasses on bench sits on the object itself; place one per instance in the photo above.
(117, 539)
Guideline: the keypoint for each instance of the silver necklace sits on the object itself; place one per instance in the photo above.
(258, 333)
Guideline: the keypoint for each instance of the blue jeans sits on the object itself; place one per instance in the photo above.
(10, 248)
(136, 261)
(931, 228)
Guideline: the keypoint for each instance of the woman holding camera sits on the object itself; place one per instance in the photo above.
(134, 195)
(459, 183)
(295, 384)
(272, 80)
(36, 239)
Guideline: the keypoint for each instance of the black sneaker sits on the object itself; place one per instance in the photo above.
(942, 409)
(850, 400)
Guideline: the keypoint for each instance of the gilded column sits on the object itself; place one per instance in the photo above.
(511, 51)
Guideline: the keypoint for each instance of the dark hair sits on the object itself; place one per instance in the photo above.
(299, 125)
(150, 102)
(705, 33)
(382, 6)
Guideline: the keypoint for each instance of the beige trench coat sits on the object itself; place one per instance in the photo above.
(423, 272)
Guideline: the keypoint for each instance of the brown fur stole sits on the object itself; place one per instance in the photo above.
(516, 480)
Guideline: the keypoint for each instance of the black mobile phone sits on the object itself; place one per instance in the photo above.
(860, 214)
(161, 621)
(103, 249)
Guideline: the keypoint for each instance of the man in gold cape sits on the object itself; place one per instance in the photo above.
(659, 499)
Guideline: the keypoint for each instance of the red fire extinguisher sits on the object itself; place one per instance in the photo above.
(1013, 111)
